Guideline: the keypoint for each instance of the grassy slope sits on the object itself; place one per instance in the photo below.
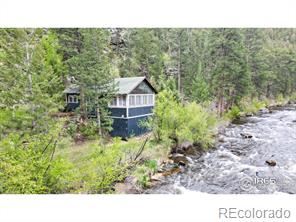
(97, 168)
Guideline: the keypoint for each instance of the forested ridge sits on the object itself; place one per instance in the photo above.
(203, 76)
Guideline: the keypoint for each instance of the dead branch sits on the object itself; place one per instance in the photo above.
(140, 151)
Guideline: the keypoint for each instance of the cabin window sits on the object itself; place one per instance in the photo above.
(141, 100)
(121, 101)
(145, 101)
(114, 102)
(138, 100)
(131, 100)
(150, 99)
(72, 99)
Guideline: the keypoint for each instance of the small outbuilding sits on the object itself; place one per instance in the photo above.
(132, 105)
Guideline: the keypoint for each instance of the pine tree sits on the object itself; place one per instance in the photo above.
(230, 76)
(29, 75)
(91, 68)
(143, 56)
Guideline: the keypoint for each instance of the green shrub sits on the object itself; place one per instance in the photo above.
(233, 113)
(103, 167)
(293, 97)
(280, 100)
(177, 122)
(253, 106)
(152, 165)
(142, 176)
(72, 129)
(144, 172)
(89, 129)
(28, 166)
(61, 176)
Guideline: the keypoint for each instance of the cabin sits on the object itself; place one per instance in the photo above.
(133, 104)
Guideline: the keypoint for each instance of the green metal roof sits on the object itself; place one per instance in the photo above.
(126, 85)
(123, 85)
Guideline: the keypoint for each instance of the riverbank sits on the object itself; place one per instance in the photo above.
(267, 152)
(179, 160)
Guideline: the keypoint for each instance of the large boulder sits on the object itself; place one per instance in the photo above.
(129, 186)
(221, 139)
(249, 114)
(239, 121)
(179, 159)
(187, 148)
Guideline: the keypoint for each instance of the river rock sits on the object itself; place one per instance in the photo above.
(221, 139)
(186, 145)
(157, 177)
(246, 135)
(249, 114)
(264, 110)
(188, 148)
(128, 186)
(172, 171)
(179, 159)
(239, 121)
(271, 162)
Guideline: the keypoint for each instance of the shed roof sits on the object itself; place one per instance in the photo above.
(124, 85)
(73, 88)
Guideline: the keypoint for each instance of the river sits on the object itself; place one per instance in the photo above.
(238, 165)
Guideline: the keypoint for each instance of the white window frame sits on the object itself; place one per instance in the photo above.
(118, 105)
(135, 96)
(121, 101)
(73, 99)
(129, 102)
(141, 100)
(111, 103)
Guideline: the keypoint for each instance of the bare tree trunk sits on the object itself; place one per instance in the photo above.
(27, 65)
(99, 120)
(179, 65)
(83, 111)
(27, 62)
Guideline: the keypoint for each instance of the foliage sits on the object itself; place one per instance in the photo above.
(71, 128)
(233, 113)
(293, 97)
(27, 164)
(176, 122)
(252, 106)
(230, 77)
(106, 165)
(144, 172)
(89, 129)
(280, 99)
(91, 67)
(30, 91)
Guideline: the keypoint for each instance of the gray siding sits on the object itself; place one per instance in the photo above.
(143, 88)
(120, 128)
(137, 111)
(134, 126)
(118, 112)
